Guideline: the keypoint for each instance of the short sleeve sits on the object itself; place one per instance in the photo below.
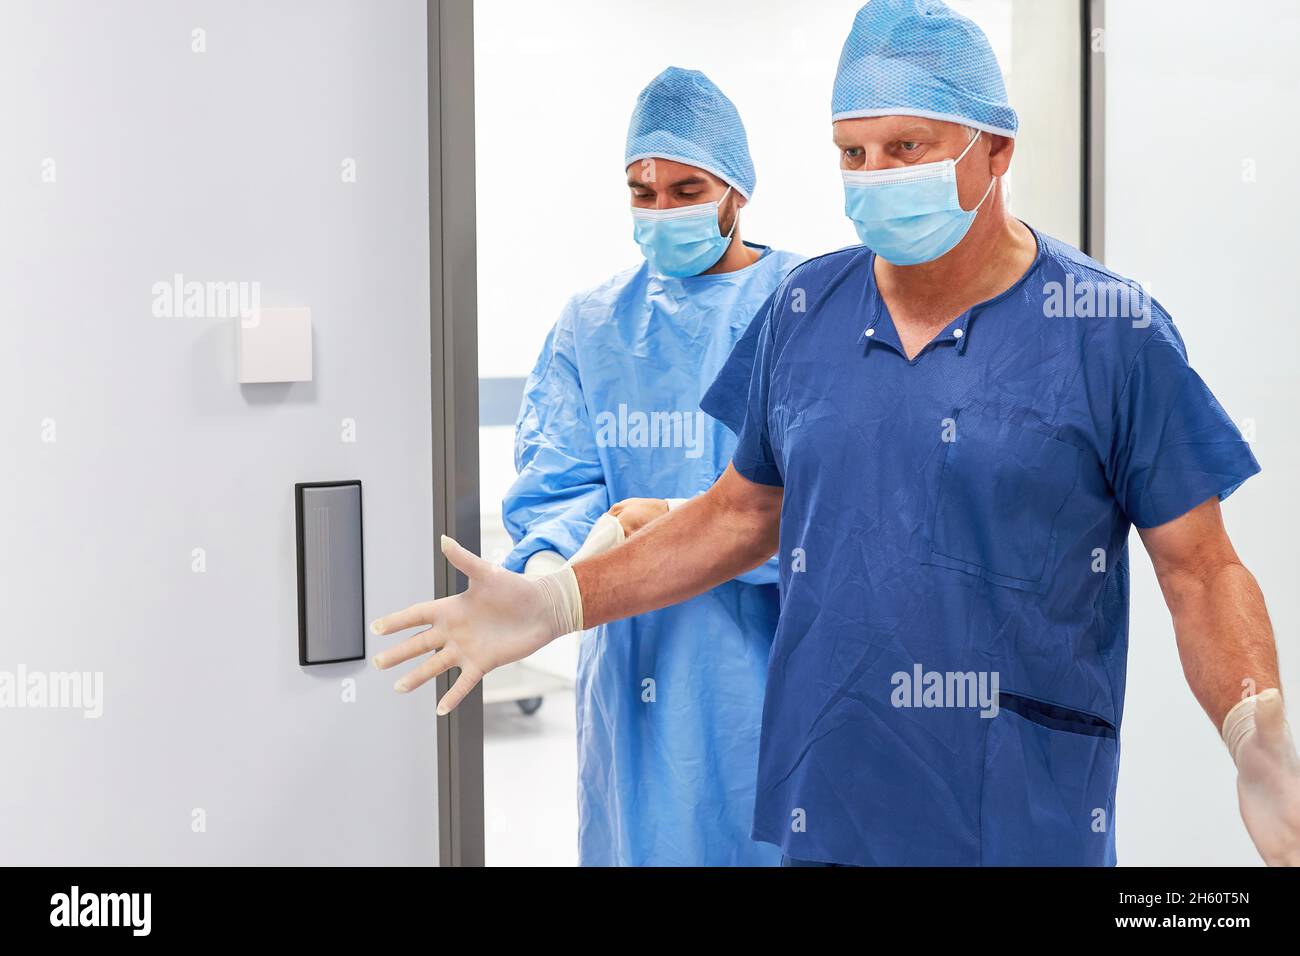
(1174, 446)
(728, 396)
(753, 456)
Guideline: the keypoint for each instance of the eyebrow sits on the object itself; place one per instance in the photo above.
(917, 130)
(634, 183)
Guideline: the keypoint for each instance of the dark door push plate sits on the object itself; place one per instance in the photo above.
(331, 600)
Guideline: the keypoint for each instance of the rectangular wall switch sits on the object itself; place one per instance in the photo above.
(275, 346)
(331, 599)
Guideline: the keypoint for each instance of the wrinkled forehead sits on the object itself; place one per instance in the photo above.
(876, 130)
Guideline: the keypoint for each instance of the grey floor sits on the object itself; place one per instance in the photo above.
(530, 783)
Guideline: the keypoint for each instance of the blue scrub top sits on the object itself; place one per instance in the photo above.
(953, 519)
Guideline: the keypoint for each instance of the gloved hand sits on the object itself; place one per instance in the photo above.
(503, 617)
(542, 563)
(635, 513)
(1268, 775)
(606, 533)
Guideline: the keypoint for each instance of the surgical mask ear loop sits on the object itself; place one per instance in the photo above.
(734, 219)
(986, 194)
(968, 146)
(963, 156)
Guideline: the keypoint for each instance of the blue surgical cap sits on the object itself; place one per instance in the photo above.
(683, 117)
(919, 58)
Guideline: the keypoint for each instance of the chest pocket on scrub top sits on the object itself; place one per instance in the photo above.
(1001, 490)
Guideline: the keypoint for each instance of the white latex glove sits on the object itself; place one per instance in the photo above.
(605, 534)
(542, 563)
(503, 617)
(1268, 775)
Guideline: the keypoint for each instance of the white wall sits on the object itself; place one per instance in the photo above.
(1201, 203)
(1044, 75)
(223, 165)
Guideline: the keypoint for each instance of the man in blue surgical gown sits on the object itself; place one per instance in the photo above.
(667, 736)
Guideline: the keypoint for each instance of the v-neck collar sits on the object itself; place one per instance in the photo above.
(880, 329)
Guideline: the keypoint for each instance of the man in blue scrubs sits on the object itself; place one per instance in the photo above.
(954, 427)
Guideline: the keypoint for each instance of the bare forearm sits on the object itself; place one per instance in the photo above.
(708, 540)
(1225, 640)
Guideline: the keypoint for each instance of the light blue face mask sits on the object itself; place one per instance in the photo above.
(684, 241)
(910, 214)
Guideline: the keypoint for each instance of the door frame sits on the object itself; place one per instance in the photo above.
(1093, 221)
(453, 344)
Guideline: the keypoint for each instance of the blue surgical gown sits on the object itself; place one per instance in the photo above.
(668, 703)
(952, 518)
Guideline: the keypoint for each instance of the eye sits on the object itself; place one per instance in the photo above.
(852, 152)
(908, 146)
